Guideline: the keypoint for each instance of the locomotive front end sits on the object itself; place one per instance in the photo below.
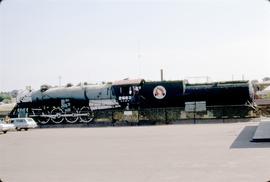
(70, 104)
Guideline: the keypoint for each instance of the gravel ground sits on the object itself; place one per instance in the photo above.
(166, 153)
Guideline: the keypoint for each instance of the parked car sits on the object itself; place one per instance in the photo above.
(23, 123)
(5, 127)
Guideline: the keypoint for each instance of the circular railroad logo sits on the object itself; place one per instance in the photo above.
(159, 92)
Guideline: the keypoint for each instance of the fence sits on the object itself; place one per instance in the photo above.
(171, 115)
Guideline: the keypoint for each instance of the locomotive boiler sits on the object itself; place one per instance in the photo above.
(71, 103)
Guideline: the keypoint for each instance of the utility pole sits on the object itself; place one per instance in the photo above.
(161, 74)
(60, 79)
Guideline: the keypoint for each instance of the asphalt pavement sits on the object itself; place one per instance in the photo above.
(165, 153)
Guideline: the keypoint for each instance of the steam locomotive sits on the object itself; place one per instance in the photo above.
(73, 104)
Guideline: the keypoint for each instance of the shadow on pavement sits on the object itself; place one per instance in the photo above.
(244, 139)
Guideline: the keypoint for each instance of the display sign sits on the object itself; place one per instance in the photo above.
(128, 113)
(198, 106)
(189, 106)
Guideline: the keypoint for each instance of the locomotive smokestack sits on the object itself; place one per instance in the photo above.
(161, 74)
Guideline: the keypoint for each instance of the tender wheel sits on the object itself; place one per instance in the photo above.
(57, 116)
(72, 117)
(86, 115)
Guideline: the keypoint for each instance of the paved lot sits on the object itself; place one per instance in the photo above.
(172, 153)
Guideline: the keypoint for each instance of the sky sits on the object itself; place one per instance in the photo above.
(108, 40)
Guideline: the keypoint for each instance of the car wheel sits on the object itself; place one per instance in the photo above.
(25, 129)
(18, 129)
(5, 131)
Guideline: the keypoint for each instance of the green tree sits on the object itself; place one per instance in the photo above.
(5, 97)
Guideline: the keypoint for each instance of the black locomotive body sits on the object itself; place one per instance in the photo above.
(221, 93)
(78, 103)
(150, 94)
(177, 93)
(59, 104)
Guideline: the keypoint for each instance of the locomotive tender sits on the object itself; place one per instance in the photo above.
(73, 104)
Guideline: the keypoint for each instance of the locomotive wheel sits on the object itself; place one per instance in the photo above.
(57, 115)
(43, 120)
(72, 118)
(89, 115)
(40, 119)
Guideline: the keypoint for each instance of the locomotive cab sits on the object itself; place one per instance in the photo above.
(127, 92)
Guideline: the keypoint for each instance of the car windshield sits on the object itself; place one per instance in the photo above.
(17, 121)
(30, 119)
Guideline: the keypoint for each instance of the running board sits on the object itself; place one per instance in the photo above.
(59, 115)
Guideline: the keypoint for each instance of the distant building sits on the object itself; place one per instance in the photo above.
(265, 93)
